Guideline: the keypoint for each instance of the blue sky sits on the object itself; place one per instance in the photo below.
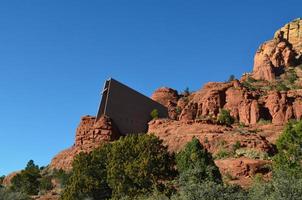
(55, 56)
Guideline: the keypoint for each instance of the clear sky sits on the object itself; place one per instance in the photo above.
(56, 54)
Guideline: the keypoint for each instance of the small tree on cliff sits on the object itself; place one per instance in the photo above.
(225, 118)
(195, 164)
(154, 114)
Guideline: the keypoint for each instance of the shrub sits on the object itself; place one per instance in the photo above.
(223, 153)
(195, 163)
(225, 118)
(27, 181)
(45, 184)
(137, 164)
(209, 190)
(88, 178)
(61, 176)
(289, 144)
(154, 114)
(231, 78)
(186, 92)
(251, 153)
(284, 185)
(6, 194)
(264, 121)
(281, 87)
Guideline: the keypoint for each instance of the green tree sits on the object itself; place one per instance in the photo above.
(186, 92)
(231, 78)
(88, 178)
(195, 164)
(27, 181)
(137, 164)
(225, 118)
(289, 146)
(154, 114)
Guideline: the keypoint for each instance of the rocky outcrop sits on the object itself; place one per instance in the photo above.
(169, 98)
(272, 57)
(240, 171)
(205, 102)
(280, 107)
(214, 137)
(293, 34)
(90, 134)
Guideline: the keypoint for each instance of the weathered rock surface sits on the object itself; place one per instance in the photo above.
(169, 98)
(90, 134)
(293, 34)
(272, 57)
(214, 137)
(242, 170)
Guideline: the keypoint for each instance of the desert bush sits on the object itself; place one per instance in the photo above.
(62, 176)
(45, 184)
(154, 114)
(264, 121)
(209, 190)
(6, 194)
(225, 118)
(27, 181)
(223, 153)
(281, 87)
(283, 185)
(251, 153)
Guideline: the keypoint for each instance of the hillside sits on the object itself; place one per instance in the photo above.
(261, 102)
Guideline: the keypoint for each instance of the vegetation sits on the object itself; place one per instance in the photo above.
(186, 92)
(27, 181)
(6, 194)
(289, 148)
(195, 164)
(251, 153)
(231, 78)
(225, 118)
(264, 121)
(140, 167)
(131, 166)
(154, 114)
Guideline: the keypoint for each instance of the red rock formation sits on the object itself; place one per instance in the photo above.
(177, 133)
(279, 107)
(165, 95)
(272, 57)
(242, 170)
(89, 135)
